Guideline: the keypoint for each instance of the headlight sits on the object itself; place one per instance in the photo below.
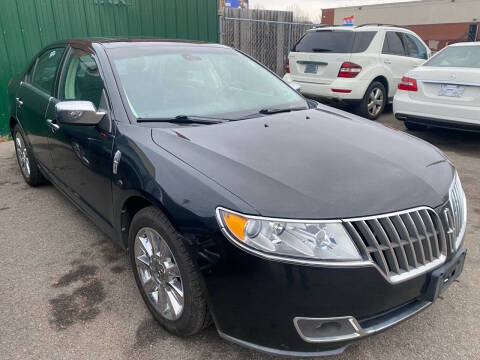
(289, 239)
(458, 203)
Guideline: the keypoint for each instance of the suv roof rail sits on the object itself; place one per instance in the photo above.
(379, 24)
(325, 25)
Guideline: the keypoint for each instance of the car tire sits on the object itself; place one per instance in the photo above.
(170, 274)
(373, 102)
(414, 126)
(26, 161)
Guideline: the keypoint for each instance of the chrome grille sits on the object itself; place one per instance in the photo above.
(458, 206)
(403, 244)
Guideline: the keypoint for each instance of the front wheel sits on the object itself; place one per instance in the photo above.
(374, 101)
(165, 273)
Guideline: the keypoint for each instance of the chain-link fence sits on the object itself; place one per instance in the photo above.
(267, 36)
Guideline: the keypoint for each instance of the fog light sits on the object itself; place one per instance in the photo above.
(328, 329)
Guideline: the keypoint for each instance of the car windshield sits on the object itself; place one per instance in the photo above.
(164, 81)
(457, 56)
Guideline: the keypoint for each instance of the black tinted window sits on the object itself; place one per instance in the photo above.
(81, 79)
(326, 41)
(393, 44)
(414, 47)
(46, 68)
(362, 41)
(335, 41)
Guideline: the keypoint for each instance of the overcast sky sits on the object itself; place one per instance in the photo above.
(314, 7)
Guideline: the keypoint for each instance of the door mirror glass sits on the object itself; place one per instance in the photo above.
(295, 86)
(78, 113)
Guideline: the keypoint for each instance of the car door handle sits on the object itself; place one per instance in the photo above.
(19, 101)
(53, 124)
(388, 62)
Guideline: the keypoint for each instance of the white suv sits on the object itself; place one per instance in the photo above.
(361, 65)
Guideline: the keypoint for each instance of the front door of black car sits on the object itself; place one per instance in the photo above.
(82, 154)
(33, 98)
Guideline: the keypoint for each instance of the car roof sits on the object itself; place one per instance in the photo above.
(125, 41)
(471, 43)
(365, 27)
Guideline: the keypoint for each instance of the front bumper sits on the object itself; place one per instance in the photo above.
(255, 302)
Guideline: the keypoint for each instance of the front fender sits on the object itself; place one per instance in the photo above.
(187, 197)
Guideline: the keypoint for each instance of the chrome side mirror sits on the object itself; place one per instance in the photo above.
(295, 86)
(78, 113)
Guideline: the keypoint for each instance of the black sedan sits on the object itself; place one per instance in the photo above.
(297, 228)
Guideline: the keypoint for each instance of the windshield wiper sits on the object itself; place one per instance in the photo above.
(270, 111)
(185, 119)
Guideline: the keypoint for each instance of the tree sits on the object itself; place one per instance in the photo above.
(299, 15)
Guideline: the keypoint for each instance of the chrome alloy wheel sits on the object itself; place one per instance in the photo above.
(22, 155)
(375, 101)
(159, 273)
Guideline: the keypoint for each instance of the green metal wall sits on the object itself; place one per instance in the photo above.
(28, 25)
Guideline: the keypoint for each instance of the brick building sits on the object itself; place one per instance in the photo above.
(438, 22)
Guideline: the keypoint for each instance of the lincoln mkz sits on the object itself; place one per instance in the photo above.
(295, 227)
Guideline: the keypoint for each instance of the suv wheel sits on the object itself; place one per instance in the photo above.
(28, 165)
(374, 101)
(166, 275)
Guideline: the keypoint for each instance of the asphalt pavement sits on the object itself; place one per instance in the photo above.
(66, 292)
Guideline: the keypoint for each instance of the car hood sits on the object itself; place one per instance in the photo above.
(314, 164)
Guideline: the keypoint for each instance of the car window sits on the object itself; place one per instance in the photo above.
(29, 73)
(81, 79)
(335, 41)
(326, 41)
(46, 68)
(457, 56)
(393, 44)
(362, 41)
(414, 48)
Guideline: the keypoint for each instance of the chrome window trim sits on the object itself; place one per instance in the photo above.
(448, 82)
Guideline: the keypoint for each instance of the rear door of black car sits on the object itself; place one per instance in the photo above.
(82, 154)
(32, 98)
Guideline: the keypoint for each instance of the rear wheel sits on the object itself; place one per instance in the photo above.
(28, 165)
(374, 101)
(414, 126)
(166, 275)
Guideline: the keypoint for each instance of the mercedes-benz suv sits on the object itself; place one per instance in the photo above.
(360, 65)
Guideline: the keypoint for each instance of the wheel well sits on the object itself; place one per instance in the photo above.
(130, 208)
(384, 81)
(12, 124)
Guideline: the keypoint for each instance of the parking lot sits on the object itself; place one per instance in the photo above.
(67, 292)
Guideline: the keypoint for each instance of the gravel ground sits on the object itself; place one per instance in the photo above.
(67, 292)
